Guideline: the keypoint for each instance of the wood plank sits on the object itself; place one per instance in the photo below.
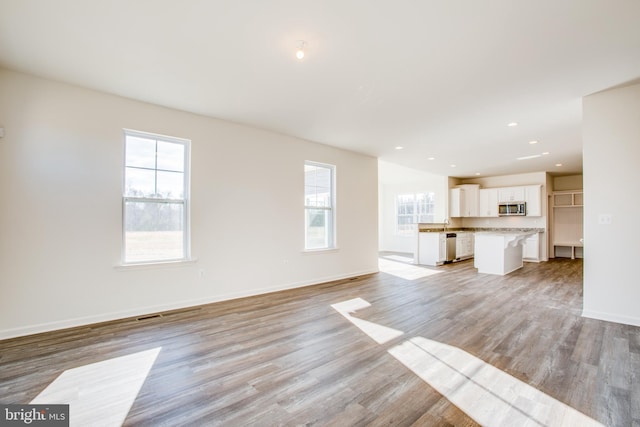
(289, 358)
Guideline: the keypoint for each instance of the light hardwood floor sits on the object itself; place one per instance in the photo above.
(373, 350)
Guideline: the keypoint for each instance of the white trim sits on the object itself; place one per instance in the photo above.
(610, 317)
(319, 251)
(88, 320)
(185, 201)
(143, 134)
(333, 243)
(156, 264)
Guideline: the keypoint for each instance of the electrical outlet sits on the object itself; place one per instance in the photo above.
(605, 219)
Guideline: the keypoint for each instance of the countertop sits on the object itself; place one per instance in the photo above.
(508, 232)
(508, 238)
(482, 230)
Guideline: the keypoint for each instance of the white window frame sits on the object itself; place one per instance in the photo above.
(416, 212)
(184, 201)
(331, 244)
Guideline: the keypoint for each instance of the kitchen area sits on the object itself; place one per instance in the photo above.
(501, 228)
(496, 223)
(495, 250)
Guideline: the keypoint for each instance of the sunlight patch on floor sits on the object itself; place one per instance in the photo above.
(380, 334)
(101, 393)
(403, 270)
(488, 395)
(400, 258)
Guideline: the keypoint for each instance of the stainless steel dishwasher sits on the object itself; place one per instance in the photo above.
(451, 247)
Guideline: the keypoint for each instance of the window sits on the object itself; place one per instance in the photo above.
(319, 201)
(155, 198)
(412, 209)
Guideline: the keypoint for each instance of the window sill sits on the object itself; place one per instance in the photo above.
(155, 264)
(319, 251)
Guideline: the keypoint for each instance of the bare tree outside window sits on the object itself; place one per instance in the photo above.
(155, 198)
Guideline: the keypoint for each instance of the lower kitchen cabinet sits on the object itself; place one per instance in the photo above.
(464, 245)
(432, 248)
(531, 248)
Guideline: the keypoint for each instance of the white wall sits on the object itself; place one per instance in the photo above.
(394, 180)
(60, 222)
(611, 154)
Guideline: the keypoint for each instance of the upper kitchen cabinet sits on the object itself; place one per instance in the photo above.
(511, 194)
(488, 206)
(532, 196)
(528, 193)
(469, 200)
(455, 202)
(464, 200)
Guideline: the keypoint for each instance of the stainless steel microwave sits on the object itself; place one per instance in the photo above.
(512, 208)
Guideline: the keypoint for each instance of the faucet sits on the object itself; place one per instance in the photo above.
(445, 223)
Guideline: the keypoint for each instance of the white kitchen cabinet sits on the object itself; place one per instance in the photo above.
(531, 248)
(533, 199)
(498, 252)
(464, 245)
(511, 194)
(432, 248)
(488, 202)
(471, 194)
(455, 202)
(463, 201)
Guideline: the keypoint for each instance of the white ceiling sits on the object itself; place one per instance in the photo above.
(440, 78)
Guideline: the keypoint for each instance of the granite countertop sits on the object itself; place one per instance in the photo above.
(479, 229)
(508, 232)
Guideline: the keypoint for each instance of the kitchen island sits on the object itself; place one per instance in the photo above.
(499, 252)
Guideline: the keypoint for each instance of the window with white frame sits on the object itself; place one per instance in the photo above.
(155, 198)
(319, 205)
(412, 209)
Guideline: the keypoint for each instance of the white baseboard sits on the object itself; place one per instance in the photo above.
(609, 317)
(142, 311)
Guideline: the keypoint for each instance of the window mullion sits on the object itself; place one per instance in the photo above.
(155, 228)
(153, 200)
(155, 173)
(319, 188)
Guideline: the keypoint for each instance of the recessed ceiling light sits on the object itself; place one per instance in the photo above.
(432, 158)
(528, 157)
(399, 147)
(533, 142)
(512, 124)
(545, 153)
(453, 166)
(477, 173)
(558, 164)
